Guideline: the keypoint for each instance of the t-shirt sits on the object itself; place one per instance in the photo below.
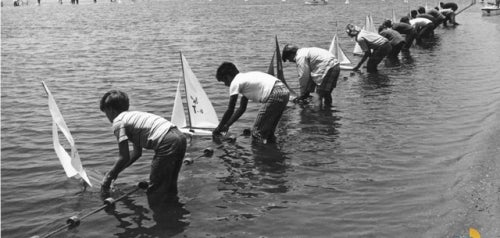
(256, 86)
(393, 36)
(427, 16)
(435, 14)
(450, 5)
(141, 128)
(312, 64)
(403, 28)
(419, 22)
(446, 12)
(369, 40)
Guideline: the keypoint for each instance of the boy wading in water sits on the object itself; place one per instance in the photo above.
(258, 87)
(148, 131)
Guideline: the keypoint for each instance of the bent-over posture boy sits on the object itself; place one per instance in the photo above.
(258, 87)
(148, 131)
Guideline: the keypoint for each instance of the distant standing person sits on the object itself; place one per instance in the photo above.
(449, 5)
(317, 68)
(397, 41)
(148, 131)
(258, 87)
(369, 41)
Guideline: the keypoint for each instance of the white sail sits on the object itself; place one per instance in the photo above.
(394, 19)
(370, 26)
(71, 163)
(338, 52)
(178, 117)
(200, 110)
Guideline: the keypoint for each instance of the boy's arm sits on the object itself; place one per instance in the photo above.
(122, 162)
(136, 154)
(365, 56)
(304, 71)
(239, 112)
(227, 115)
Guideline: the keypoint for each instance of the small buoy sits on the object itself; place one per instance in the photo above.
(188, 161)
(73, 221)
(143, 185)
(247, 132)
(345, 78)
(352, 74)
(231, 139)
(208, 152)
(109, 201)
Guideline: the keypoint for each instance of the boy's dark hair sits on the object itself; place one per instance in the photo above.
(226, 68)
(421, 10)
(289, 51)
(115, 99)
(414, 13)
(387, 23)
(404, 19)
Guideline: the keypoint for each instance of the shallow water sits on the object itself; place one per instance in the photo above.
(410, 152)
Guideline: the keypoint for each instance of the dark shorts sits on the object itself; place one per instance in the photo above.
(167, 163)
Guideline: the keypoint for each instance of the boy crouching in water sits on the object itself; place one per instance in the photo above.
(258, 87)
(148, 131)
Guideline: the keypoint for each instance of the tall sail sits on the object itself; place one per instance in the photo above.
(201, 112)
(71, 163)
(337, 51)
(178, 117)
(370, 26)
(394, 19)
(270, 70)
(279, 67)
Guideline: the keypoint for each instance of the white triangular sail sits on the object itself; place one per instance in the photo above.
(394, 19)
(71, 163)
(199, 108)
(337, 51)
(370, 26)
(178, 115)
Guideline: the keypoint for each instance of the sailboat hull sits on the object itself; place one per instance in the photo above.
(195, 132)
(346, 67)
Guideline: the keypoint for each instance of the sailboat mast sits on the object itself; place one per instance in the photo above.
(185, 91)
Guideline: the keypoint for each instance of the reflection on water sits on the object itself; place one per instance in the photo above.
(169, 219)
(375, 164)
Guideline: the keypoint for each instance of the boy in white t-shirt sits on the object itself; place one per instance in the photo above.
(148, 131)
(257, 87)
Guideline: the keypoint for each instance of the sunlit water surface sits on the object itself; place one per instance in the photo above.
(410, 152)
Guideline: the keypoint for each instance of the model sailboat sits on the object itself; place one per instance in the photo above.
(339, 54)
(201, 113)
(279, 67)
(71, 163)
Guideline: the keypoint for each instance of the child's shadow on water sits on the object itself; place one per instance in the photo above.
(169, 217)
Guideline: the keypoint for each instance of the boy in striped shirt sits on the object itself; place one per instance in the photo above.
(148, 131)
